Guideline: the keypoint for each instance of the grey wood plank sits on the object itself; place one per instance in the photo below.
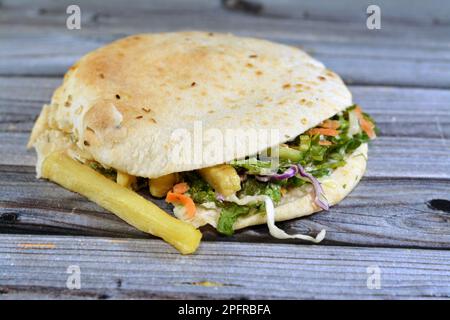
(409, 165)
(379, 212)
(358, 63)
(407, 112)
(407, 55)
(403, 20)
(35, 267)
(399, 12)
(433, 12)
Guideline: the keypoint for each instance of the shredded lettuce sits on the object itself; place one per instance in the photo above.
(252, 187)
(199, 189)
(251, 165)
(320, 160)
(242, 206)
(229, 213)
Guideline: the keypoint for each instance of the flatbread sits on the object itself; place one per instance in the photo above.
(298, 202)
(121, 104)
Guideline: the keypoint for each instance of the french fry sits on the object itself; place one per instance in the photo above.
(160, 186)
(125, 203)
(126, 180)
(223, 178)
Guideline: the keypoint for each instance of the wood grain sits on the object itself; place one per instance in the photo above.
(357, 62)
(404, 53)
(419, 13)
(399, 74)
(379, 212)
(112, 269)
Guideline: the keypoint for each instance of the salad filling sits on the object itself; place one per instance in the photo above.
(253, 185)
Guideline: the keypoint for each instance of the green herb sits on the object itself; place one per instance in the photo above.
(295, 182)
(199, 189)
(251, 165)
(320, 160)
(253, 187)
(291, 154)
(305, 142)
(109, 173)
(229, 214)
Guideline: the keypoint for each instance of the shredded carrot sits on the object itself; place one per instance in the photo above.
(188, 203)
(325, 143)
(323, 131)
(366, 125)
(358, 110)
(181, 187)
(330, 124)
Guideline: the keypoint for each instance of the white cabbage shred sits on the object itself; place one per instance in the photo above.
(353, 123)
(270, 218)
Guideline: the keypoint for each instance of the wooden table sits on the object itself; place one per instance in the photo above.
(399, 74)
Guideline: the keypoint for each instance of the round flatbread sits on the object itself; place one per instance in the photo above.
(123, 104)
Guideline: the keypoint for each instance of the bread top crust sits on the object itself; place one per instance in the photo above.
(131, 104)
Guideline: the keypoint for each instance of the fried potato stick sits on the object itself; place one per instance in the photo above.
(125, 203)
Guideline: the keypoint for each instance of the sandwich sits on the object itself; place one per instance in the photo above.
(232, 131)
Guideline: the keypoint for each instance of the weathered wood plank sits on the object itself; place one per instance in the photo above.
(380, 211)
(363, 63)
(404, 55)
(409, 165)
(401, 12)
(35, 267)
(345, 11)
(418, 12)
(407, 112)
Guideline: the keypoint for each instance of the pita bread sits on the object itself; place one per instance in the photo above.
(121, 103)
